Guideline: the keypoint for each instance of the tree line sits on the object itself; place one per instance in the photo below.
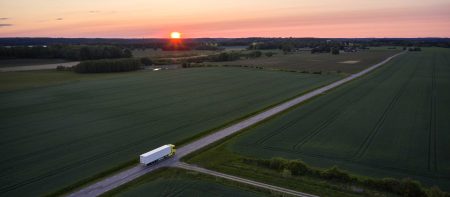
(403, 187)
(109, 65)
(69, 52)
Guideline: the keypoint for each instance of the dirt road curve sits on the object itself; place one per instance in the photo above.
(241, 180)
(37, 67)
(114, 181)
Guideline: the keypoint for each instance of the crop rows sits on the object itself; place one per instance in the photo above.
(54, 136)
(392, 122)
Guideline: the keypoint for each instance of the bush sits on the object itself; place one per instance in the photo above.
(255, 54)
(146, 61)
(60, 68)
(298, 168)
(63, 68)
(404, 187)
(335, 51)
(269, 54)
(105, 66)
(411, 188)
(222, 57)
(436, 192)
(335, 173)
(277, 163)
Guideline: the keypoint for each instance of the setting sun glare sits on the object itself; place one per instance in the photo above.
(175, 35)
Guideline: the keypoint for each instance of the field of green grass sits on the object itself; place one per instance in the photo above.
(62, 131)
(177, 182)
(14, 81)
(28, 62)
(394, 122)
(305, 61)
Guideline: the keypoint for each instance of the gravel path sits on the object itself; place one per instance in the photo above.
(241, 180)
(37, 67)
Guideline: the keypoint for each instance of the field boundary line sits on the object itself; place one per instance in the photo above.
(242, 180)
(289, 124)
(432, 157)
(324, 124)
(368, 140)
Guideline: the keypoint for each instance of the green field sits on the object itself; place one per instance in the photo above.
(28, 62)
(305, 61)
(62, 131)
(394, 122)
(177, 182)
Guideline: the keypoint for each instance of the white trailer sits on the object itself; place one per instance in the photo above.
(157, 154)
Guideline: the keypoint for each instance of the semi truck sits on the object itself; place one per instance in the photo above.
(158, 154)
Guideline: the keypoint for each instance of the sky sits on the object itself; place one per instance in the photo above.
(225, 18)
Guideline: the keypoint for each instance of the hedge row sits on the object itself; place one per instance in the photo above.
(108, 65)
(404, 187)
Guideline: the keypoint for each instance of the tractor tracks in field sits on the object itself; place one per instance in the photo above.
(316, 131)
(432, 136)
(335, 114)
(361, 151)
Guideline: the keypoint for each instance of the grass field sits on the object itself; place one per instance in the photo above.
(63, 131)
(394, 122)
(305, 61)
(14, 81)
(28, 62)
(177, 182)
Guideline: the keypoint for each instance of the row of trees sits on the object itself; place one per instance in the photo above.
(108, 65)
(70, 52)
(404, 187)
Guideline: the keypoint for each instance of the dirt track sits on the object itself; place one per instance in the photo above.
(37, 67)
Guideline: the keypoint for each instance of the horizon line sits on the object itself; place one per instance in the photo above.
(129, 38)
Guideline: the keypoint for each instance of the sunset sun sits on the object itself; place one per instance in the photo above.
(175, 35)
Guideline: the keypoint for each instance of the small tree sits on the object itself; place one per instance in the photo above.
(335, 51)
(255, 54)
(127, 53)
(146, 61)
(269, 54)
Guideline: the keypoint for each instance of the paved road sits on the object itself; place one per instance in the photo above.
(123, 177)
(37, 67)
(241, 180)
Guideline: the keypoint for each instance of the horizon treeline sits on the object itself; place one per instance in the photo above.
(69, 52)
(108, 65)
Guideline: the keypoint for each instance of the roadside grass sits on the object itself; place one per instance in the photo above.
(222, 160)
(174, 181)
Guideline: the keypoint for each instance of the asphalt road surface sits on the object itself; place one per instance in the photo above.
(123, 177)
